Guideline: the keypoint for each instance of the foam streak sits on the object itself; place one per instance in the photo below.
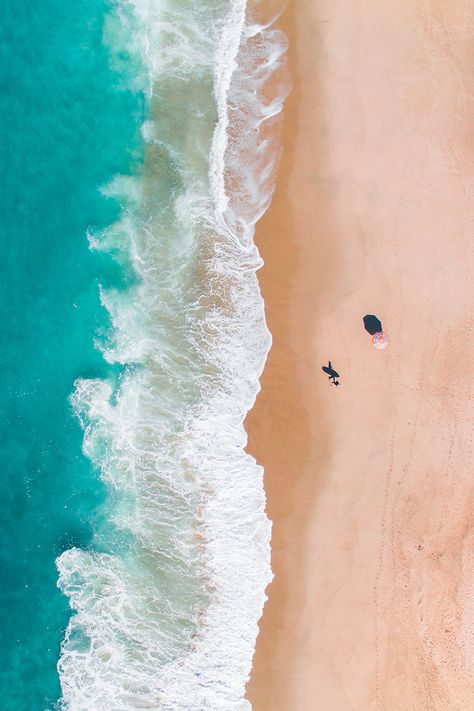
(167, 602)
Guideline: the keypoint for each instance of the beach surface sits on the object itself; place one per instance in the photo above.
(370, 485)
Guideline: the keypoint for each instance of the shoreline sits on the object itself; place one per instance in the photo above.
(281, 400)
(368, 485)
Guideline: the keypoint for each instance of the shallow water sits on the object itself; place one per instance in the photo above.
(166, 579)
(64, 129)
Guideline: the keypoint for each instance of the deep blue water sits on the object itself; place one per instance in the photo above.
(66, 129)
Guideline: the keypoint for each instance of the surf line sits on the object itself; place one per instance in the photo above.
(166, 602)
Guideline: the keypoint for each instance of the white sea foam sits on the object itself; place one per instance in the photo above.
(167, 604)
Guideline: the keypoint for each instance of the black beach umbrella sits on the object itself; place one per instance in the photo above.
(372, 324)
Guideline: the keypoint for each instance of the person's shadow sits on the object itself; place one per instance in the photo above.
(333, 374)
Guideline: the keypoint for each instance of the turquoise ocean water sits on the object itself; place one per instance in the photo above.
(65, 130)
(139, 150)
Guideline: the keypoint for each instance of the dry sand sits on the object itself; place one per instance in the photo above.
(371, 485)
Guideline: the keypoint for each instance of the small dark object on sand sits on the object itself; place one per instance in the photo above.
(330, 370)
(372, 324)
(333, 374)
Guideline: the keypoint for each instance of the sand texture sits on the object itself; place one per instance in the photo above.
(371, 485)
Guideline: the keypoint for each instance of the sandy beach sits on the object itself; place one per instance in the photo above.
(370, 485)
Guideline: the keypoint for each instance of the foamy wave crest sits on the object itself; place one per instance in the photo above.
(167, 602)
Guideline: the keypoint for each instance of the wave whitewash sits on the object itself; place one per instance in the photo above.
(168, 599)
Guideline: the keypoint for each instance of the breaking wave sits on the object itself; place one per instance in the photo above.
(167, 600)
